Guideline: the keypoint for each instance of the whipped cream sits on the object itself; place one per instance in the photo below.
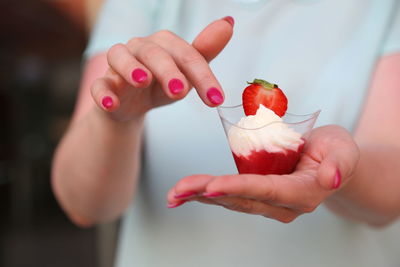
(273, 136)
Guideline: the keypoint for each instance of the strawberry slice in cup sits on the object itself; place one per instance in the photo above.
(263, 142)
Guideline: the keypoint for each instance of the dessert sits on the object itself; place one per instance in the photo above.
(264, 144)
(261, 142)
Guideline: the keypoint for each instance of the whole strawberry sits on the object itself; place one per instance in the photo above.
(265, 93)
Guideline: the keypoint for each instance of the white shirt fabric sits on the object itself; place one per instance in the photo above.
(321, 53)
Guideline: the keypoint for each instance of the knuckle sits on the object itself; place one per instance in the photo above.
(134, 41)
(149, 50)
(171, 73)
(191, 58)
(164, 34)
(216, 183)
(271, 190)
(271, 194)
(114, 50)
(335, 141)
(287, 219)
(223, 180)
(182, 185)
(96, 85)
(308, 208)
(203, 79)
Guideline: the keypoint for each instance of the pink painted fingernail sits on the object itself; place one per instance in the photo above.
(186, 194)
(174, 205)
(107, 102)
(338, 180)
(230, 20)
(213, 194)
(139, 75)
(215, 96)
(175, 86)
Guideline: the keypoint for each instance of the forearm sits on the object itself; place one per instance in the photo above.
(96, 166)
(371, 195)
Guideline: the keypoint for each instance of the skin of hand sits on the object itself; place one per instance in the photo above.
(355, 176)
(159, 69)
(96, 165)
(330, 154)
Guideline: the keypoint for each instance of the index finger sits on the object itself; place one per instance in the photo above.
(190, 186)
(194, 63)
(221, 32)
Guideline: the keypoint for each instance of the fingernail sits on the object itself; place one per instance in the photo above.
(215, 96)
(230, 20)
(107, 102)
(175, 86)
(213, 194)
(186, 194)
(139, 75)
(338, 180)
(174, 205)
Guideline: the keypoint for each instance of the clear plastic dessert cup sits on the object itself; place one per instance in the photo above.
(261, 161)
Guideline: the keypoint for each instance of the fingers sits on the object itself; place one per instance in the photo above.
(334, 147)
(148, 59)
(175, 64)
(250, 206)
(103, 94)
(188, 187)
(197, 188)
(121, 61)
(192, 64)
(193, 59)
(221, 32)
(297, 191)
(164, 68)
(329, 174)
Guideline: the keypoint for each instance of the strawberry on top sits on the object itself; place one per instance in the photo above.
(265, 93)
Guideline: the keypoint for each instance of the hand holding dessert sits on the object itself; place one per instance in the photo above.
(327, 163)
(266, 152)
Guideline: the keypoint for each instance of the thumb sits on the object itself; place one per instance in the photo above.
(337, 153)
(212, 40)
(329, 173)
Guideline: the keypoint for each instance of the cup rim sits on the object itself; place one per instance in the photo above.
(309, 116)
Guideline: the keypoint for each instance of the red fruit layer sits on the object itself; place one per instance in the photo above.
(263, 162)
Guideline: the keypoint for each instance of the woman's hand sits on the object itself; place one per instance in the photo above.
(160, 69)
(329, 159)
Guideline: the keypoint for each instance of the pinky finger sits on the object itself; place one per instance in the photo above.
(103, 95)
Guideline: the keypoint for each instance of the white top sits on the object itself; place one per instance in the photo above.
(322, 54)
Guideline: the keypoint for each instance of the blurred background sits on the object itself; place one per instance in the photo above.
(42, 42)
